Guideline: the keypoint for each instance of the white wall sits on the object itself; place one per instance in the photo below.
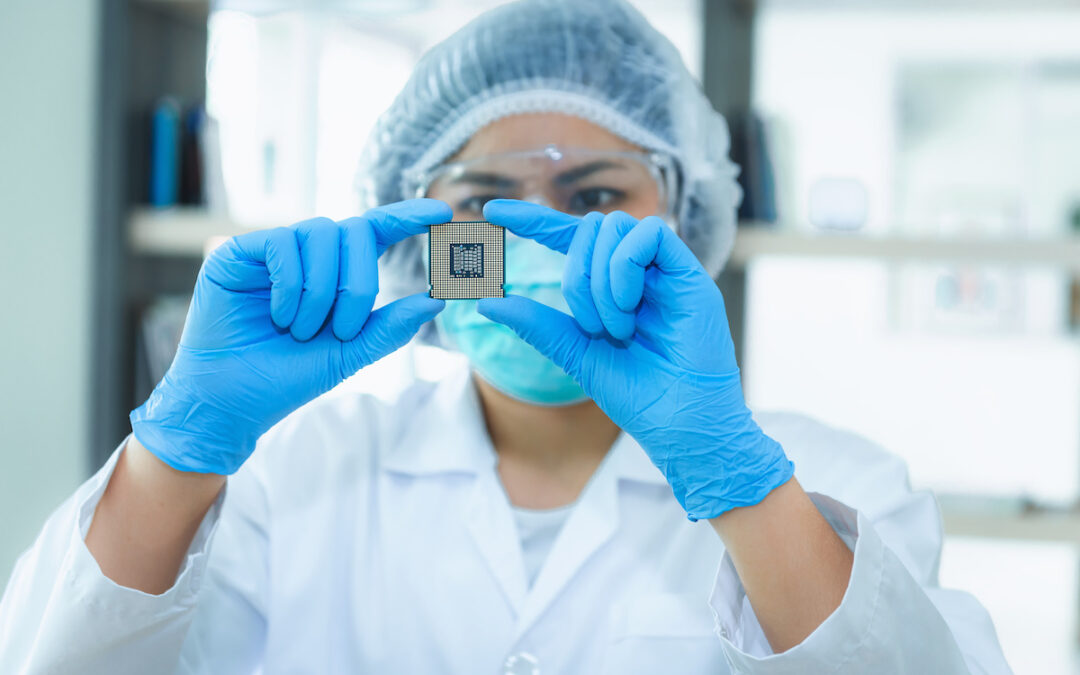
(48, 55)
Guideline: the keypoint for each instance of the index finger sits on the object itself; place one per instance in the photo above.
(393, 222)
(276, 254)
(547, 226)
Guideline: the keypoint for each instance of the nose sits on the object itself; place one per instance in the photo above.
(538, 198)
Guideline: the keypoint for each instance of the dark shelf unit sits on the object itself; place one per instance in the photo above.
(150, 48)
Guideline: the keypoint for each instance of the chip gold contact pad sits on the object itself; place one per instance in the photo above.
(465, 260)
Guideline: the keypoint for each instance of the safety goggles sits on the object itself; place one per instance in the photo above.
(571, 180)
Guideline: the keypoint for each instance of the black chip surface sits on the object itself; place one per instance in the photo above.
(467, 260)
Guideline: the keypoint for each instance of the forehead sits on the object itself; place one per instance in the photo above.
(531, 131)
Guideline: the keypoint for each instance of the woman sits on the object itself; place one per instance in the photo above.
(536, 511)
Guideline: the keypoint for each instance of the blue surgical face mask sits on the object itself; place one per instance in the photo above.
(495, 352)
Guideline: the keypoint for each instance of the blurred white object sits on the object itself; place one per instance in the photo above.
(909, 99)
(838, 204)
(935, 399)
(217, 201)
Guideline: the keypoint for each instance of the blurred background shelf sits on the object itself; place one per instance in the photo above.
(180, 231)
(184, 232)
(752, 242)
(1008, 518)
(1037, 527)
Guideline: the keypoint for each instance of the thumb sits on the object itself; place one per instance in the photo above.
(387, 329)
(553, 334)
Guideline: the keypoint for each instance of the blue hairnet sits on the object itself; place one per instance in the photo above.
(599, 60)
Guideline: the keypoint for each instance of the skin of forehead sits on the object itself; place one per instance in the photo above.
(532, 131)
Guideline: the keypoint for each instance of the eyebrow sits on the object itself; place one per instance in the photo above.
(487, 179)
(565, 178)
(579, 172)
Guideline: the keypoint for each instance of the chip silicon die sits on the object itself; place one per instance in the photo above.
(466, 260)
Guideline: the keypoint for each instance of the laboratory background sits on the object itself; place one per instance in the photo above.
(907, 264)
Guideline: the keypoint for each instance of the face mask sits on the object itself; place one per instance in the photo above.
(504, 360)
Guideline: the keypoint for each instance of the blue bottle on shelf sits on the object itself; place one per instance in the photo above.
(165, 153)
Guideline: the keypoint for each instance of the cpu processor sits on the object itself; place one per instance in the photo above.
(465, 260)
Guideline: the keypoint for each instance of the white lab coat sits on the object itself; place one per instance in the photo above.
(365, 537)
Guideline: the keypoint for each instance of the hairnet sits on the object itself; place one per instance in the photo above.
(598, 60)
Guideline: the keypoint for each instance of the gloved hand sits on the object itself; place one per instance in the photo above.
(279, 317)
(651, 346)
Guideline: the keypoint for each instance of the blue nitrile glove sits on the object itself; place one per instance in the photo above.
(651, 346)
(279, 317)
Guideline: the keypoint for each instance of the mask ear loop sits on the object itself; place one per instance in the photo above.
(415, 184)
(665, 172)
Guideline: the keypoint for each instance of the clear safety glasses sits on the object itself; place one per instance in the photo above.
(571, 180)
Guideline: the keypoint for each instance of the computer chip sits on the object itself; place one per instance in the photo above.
(465, 260)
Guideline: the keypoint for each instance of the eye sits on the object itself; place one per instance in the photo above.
(595, 199)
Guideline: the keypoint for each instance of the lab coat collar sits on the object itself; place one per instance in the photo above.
(449, 435)
(446, 432)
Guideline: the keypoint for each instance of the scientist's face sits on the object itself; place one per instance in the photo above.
(559, 160)
(563, 162)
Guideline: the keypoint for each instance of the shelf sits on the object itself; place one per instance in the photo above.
(997, 517)
(179, 231)
(1005, 517)
(753, 242)
(1049, 527)
(184, 231)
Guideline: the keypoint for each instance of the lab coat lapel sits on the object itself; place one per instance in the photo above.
(453, 440)
(591, 525)
(491, 526)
